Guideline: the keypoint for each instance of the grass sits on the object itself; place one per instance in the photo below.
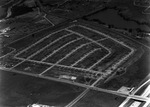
(92, 58)
(5, 51)
(87, 33)
(133, 76)
(99, 99)
(31, 67)
(60, 43)
(9, 62)
(40, 45)
(20, 90)
(67, 49)
(79, 53)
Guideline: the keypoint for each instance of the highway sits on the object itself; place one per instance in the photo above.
(142, 97)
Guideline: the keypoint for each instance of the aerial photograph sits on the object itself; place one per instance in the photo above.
(74, 53)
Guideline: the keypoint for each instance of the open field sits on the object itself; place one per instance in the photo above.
(99, 99)
(31, 67)
(92, 58)
(134, 75)
(71, 59)
(22, 26)
(2, 2)
(5, 51)
(27, 40)
(34, 48)
(90, 34)
(19, 90)
(118, 51)
(67, 48)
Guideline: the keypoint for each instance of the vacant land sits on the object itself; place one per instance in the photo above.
(99, 99)
(133, 76)
(19, 91)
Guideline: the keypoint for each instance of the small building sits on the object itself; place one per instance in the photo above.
(125, 90)
(67, 77)
(135, 104)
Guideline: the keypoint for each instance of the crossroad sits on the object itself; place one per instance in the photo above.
(142, 97)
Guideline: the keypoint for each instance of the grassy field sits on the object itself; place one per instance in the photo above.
(99, 99)
(4, 1)
(87, 33)
(40, 45)
(67, 49)
(122, 15)
(22, 26)
(31, 67)
(92, 58)
(71, 59)
(19, 91)
(133, 76)
(9, 62)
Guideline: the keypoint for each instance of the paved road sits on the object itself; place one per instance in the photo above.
(88, 87)
(142, 97)
(77, 98)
